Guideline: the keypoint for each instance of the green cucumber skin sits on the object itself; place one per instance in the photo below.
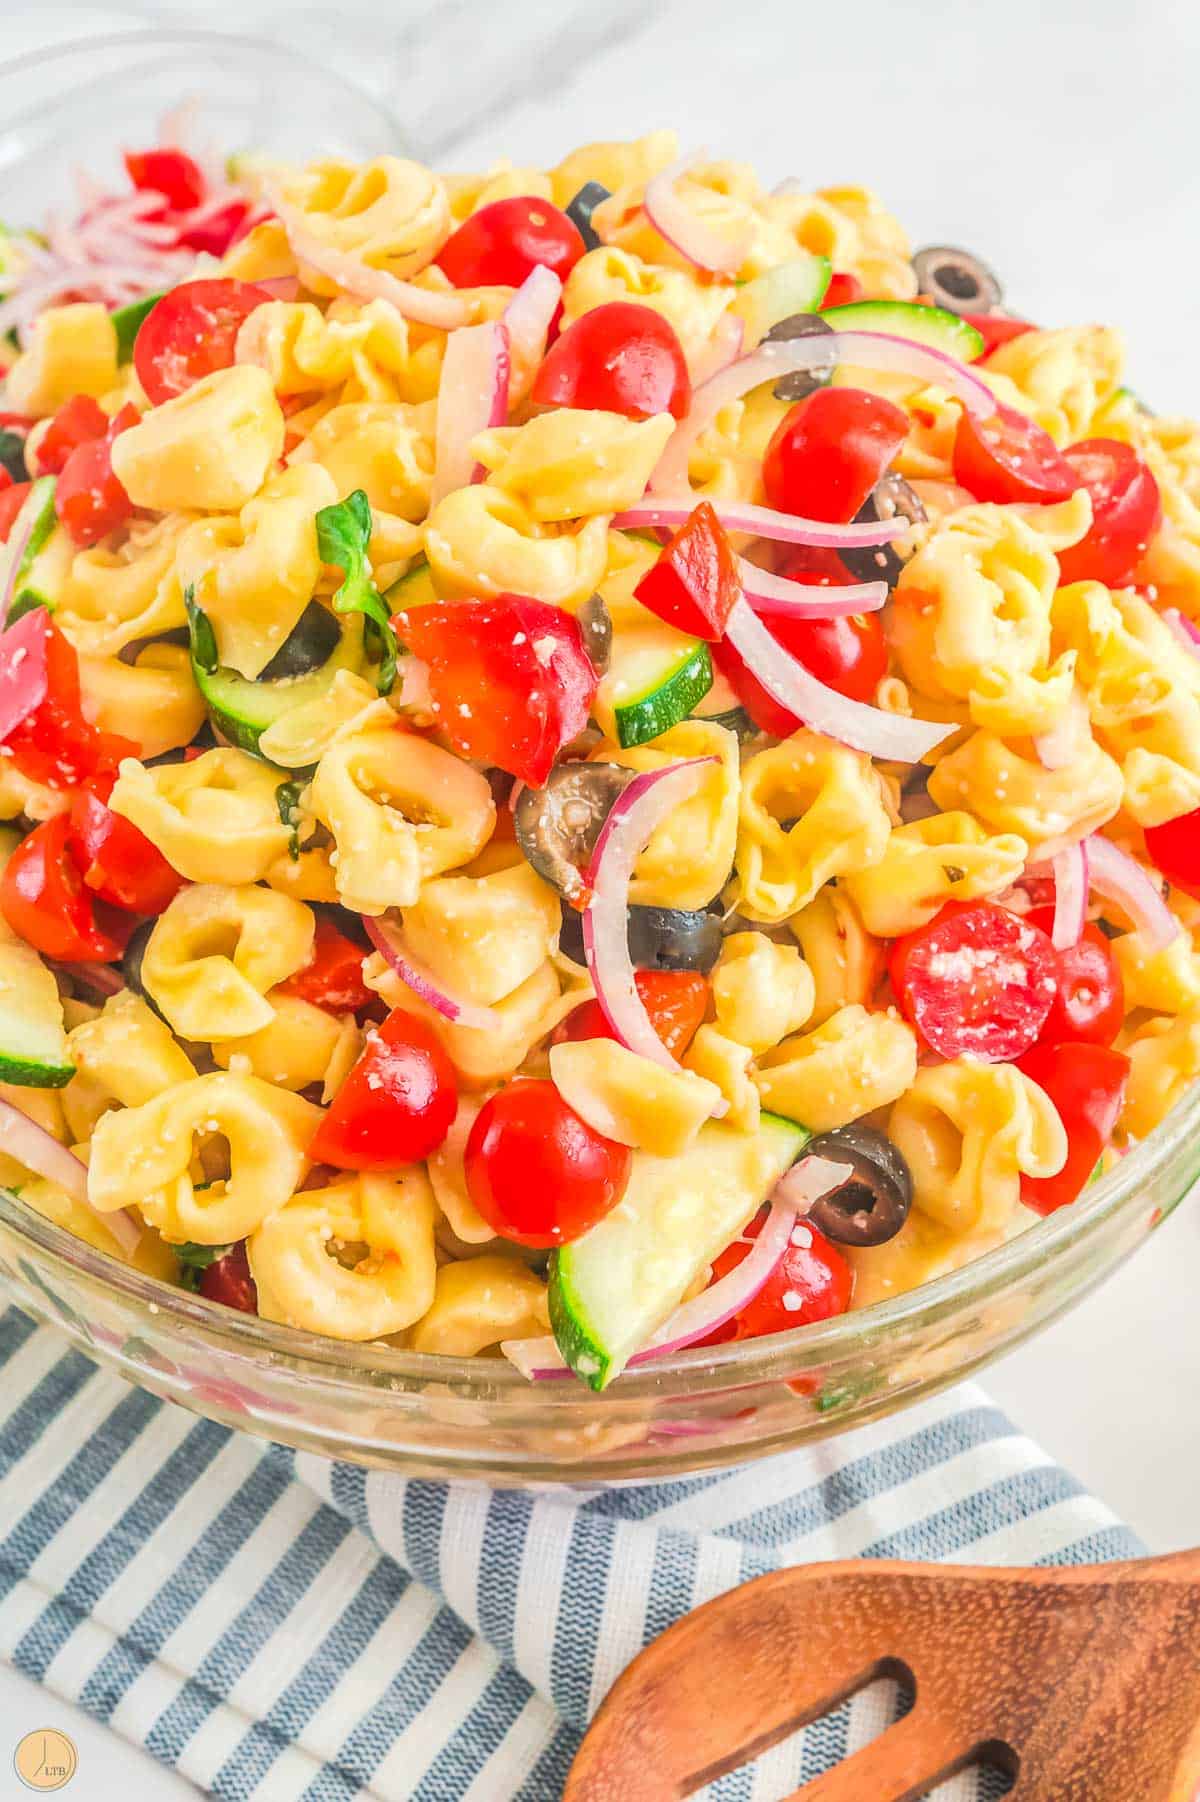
(927, 325)
(127, 322)
(29, 1073)
(260, 708)
(649, 717)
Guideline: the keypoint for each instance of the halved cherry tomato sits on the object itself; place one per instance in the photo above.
(829, 450)
(1086, 1083)
(41, 717)
(89, 500)
(332, 978)
(618, 358)
(117, 861)
(12, 499)
(978, 981)
(1174, 848)
(1009, 458)
(216, 232)
(228, 1280)
(510, 679)
(843, 288)
(537, 1172)
(676, 1001)
(996, 330)
(812, 1281)
(499, 245)
(171, 173)
(1126, 512)
(77, 422)
(1090, 1003)
(44, 901)
(695, 584)
(191, 332)
(397, 1104)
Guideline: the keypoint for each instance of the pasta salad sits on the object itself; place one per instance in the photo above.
(594, 759)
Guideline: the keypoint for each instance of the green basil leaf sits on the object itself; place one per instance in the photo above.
(204, 640)
(287, 799)
(343, 534)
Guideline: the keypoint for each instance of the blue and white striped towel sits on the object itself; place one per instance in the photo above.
(275, 1626)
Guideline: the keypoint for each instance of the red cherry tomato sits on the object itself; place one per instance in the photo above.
(829, 450)
(44, 901)
(118, 862)
(1090, 1003)
(499, 245)
(77, 422)
(538, 1173)
(89, 500)
(1086, 1083)
(1126, 512)
(171, 173)
(12, 499)
(1009, 458)
(842, 290)
(618, 358)
(41, 717)
(676, 1001)
(977, 981)
(397, 1104)
(191, 332)
(996, 330)
(228, 1280)
(1174, 848)
(510, 680)
(332, 978)
(848, 654)
(695, 582)
(811, 1282)
(218, 231)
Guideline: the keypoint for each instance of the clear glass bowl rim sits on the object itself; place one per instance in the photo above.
(697, 1371)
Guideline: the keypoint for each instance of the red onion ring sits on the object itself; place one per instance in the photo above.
(1118, 878)
(769, 593)
(101, 979)
(685, 231)
(890, 736)
(39, 1151)
(527, 319)
(724, 348)
(472, 395)
(423, 984)
(18, 544)
(425, 305)
(1056, 748)
(1185, 630)
(765, 522)
(1070, 868)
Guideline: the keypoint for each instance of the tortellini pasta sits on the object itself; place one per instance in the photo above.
(1163, 979)
(128, 1052)
(845, 961)
(215, 819)
(761, 991)
(305, 351)
(947, 857)
(688, 857)
(1013, 793)
(483, 541)
(72, 350)
(153, 700)
(296, 1049)
(209, 449)
(115, 594)
(217, 951)
(726, 1063)
(384, 449)
(629, 1099)
(478, 1303)
(390, 214)
(608, 274)
(1063, 376)
(483, 936)
(1164, 1061)
(852, 1064)
(571, 464)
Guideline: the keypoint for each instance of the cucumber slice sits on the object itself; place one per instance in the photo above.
(415, 589)
(127, 322)
(33, 1041)
(241, 710)
(611, 1289)
(797, 286)
(26, 593)
(935, 326)
(654, 680)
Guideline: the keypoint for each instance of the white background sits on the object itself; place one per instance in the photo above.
(1060, 141)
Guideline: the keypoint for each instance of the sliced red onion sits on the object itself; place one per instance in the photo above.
(724, 348)
(527, 319)
(422, 983)
(1070, 868)
(101, 979)
(1185, 630)
(18, 544)
(701, 243)
(425, 305)
(886, 735)
(765, 522)
(39, 1151)
(639, 808)
(1118, 878)
(414, 684)
(280, 287)
(1057, 747)
(770, 361)
(769, 593)
(472, 395)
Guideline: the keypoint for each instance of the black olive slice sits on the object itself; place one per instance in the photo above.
(891, 496)
(12, 455)
(557, 826)
(595, 622)
(579, 211)
(310, 643)
(956, 279)
(803, 381)
(131, 964)
(871, 1208)
(660, 938)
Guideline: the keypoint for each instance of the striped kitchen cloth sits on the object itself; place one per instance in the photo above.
(279, 1627)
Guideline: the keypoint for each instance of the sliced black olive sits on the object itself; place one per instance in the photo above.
(131, 964)
(956, 279)
(871, 1208)
(660, 938)
(579, 210)
(129, 653)
(558, 825)
(205, 740)
(310, 643)
(891, 496)
(595, 622)
(803, 381)
(12, 455)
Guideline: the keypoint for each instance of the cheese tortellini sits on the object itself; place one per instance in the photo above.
(217, 951)
(215, 819)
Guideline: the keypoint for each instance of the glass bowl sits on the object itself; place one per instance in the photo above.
(76, 106)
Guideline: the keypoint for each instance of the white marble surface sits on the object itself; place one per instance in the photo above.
(1060, 141)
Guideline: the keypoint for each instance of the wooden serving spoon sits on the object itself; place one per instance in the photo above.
(1083, 1684)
